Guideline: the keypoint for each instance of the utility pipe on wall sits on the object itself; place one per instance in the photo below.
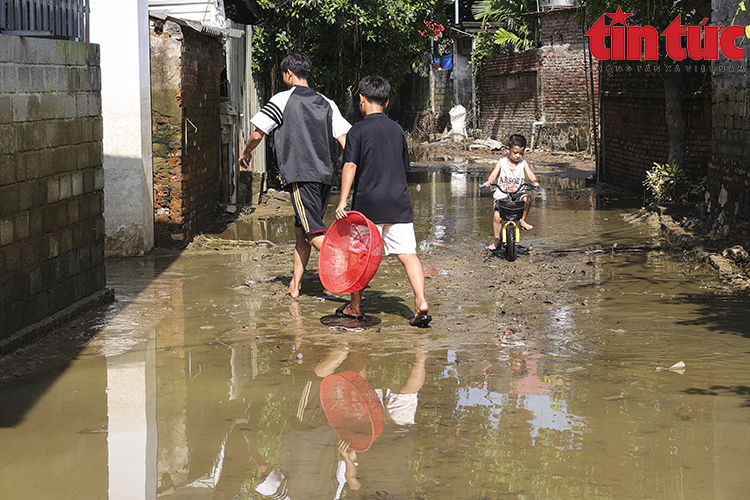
(533, 130)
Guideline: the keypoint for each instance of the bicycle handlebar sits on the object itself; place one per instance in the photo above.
(521, 188)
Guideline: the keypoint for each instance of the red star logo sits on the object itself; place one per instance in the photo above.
(619, 17)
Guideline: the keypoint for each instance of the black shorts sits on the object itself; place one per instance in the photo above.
(310, 200)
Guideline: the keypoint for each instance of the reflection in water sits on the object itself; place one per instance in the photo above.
(203, 382)
(131, 436)
(276, 229)
(279, 443)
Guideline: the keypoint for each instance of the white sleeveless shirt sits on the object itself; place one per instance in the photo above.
(510, 177)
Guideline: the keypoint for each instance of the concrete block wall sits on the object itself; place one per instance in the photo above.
(634, 128)
(409, 101)
(728, 186)
(443, 96)
(51, 179)
(186, 69)
(411, 105)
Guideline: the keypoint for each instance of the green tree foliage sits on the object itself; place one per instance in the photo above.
(504, 27)
(511, 26)
(346, 39)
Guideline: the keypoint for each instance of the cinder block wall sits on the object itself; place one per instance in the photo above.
(443, 91)
(51, 179)
(186, 75)
(410, 106)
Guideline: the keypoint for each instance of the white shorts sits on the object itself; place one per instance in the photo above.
(398, 238)
(401, 408)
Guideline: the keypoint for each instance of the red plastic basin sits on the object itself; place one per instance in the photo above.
(350, 255)
(352, 408)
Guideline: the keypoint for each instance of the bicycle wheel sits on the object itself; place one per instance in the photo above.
(510, 242)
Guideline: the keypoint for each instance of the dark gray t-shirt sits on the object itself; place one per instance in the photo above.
(305, 123)
(377, 145)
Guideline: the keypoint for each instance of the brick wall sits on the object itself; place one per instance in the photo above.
(728, 186)
(51, 180)
(410, 100)
(509, 98)
(549, 82)
(443, 91)
(633, 124)
(186, 70)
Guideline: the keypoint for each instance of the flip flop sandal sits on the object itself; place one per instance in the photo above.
(421, 321)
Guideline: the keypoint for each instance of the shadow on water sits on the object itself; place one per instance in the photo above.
(716, 390)
(725, 315)
(30, 376)
(31, 371)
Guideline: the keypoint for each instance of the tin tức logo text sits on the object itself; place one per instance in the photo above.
(635, 43)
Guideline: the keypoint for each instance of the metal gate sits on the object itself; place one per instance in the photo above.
(63, 19)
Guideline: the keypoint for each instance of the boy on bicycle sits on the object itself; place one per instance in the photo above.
(510, 172)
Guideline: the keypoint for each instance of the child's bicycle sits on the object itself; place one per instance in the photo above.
(511, 210)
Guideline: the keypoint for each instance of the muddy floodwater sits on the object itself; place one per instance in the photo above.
(556, 376)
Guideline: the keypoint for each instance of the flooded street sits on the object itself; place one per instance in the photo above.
(544, 378)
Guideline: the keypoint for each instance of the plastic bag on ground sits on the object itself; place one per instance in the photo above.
(458, 119)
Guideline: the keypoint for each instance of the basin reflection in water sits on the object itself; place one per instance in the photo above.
(201, 380)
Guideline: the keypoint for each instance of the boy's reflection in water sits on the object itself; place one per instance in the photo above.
(314, 463)
(383, 470)
(308, 459)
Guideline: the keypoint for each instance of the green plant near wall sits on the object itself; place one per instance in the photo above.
(504, 28)
(664, 181)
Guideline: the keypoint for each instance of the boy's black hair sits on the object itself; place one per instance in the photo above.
(517, 140)
(375, 89)
(298, 63)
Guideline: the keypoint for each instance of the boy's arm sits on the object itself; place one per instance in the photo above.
(252, 143)
(342, 140)
(349, 457)
(347, 179)
(493, 175)
(531, 175)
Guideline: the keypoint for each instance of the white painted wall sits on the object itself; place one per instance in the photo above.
(208, 12)
(122, 31)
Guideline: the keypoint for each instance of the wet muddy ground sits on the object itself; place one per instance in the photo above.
(545, 378)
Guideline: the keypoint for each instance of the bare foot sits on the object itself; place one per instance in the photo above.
(525, 224)
(294, 289)
(494, 245)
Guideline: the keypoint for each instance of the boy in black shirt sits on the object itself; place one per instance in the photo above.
(376, 158)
